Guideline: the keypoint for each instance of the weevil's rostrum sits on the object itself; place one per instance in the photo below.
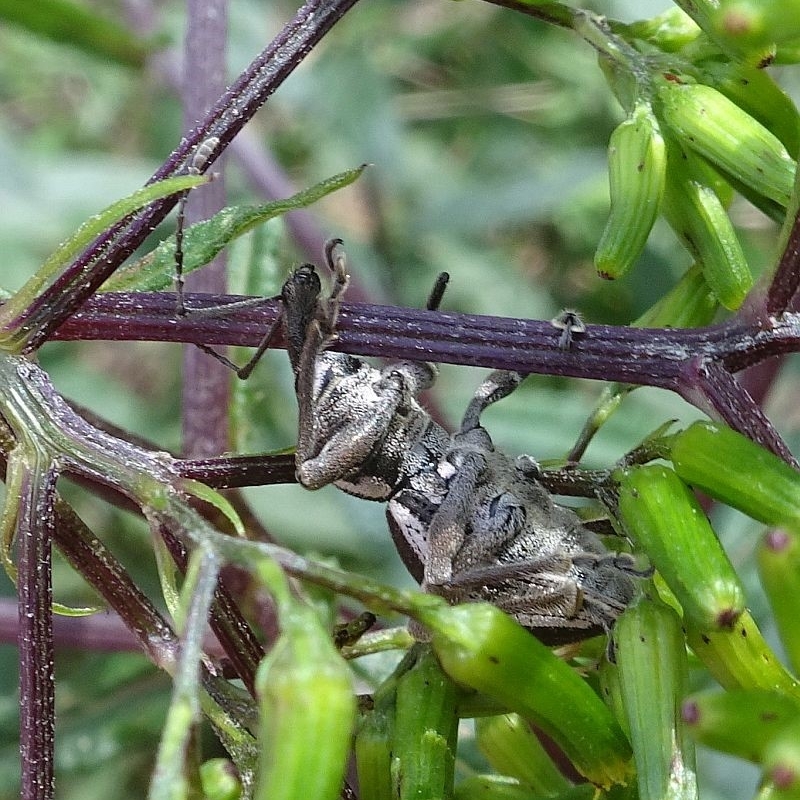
(470, 522)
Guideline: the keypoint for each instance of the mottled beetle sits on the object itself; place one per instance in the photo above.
(469, 522)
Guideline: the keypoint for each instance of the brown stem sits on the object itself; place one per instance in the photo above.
(206, 382)
(35, 525)
(787, 275)
(642, 356)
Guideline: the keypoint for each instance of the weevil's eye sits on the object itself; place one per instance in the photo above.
(305, 272)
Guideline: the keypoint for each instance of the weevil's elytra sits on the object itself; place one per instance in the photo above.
(469, 522)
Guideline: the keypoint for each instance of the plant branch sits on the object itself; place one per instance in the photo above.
(784, 283)
(35, 523)
(30, 399)
(713, 389)
(681, 360)
(206, 382)
(245, 96)
(642, 356)
(230, 472)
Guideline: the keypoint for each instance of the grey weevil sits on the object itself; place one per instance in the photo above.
(469, 522)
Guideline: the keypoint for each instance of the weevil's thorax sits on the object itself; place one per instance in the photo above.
(381, 405)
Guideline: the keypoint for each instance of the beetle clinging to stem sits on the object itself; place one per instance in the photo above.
(469, 522)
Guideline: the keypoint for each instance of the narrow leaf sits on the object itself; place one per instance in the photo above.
(201, 242)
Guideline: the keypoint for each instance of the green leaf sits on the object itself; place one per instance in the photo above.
(202, 242)
(81, 27)
(214, 498)
(87, 232)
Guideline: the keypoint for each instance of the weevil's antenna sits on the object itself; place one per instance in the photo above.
(437, 292)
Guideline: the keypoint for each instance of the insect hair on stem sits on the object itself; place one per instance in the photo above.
(570, 324)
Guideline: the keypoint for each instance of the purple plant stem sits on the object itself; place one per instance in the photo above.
(675, 359)
(251, 153)
(99, 632)
(713, 389)
(642, 356)
(229, 114)
(759, 379)
(206, 382)
(35, 523)
(235, 471)
(89, 556)
(784, 283)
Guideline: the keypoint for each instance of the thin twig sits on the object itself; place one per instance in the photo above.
(642, 356)
(35, 529)
(206, 382)
(239, 103)
(667, 358)
(787, 275)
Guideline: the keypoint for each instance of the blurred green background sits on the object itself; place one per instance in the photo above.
(487, 134)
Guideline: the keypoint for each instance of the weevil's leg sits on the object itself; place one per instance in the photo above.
(437, 292)
(553, 596)
(336, 261)
(447, 530)
(498, 385)
(203, 154)
(180, 281)
(619, 562)
(243, 372)
(302, 322)
(528, 570)
(353, 441)
(299, 286)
